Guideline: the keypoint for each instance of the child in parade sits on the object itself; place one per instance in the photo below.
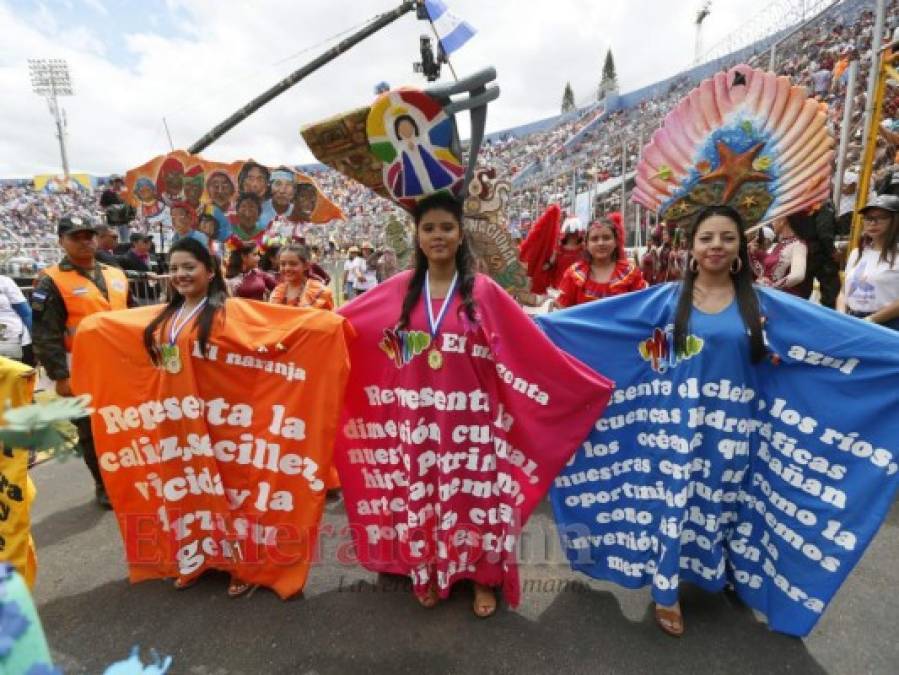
(297, 287)
(871, 288)
(604, 270)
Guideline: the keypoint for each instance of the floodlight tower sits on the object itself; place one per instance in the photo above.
(701, 16)
(50, 78)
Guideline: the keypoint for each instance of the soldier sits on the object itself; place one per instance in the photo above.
(66, 293)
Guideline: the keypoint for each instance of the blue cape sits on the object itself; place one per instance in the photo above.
(707, 468)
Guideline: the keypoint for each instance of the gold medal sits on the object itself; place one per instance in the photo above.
(171, 359)
(435, 359)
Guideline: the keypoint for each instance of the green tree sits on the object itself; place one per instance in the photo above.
(568, 99)
(609, 82)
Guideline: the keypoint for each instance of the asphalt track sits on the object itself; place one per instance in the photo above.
(351, 621)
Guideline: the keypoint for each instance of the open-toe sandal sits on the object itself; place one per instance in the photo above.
(671, 621)
(237, 588)
(182, 583)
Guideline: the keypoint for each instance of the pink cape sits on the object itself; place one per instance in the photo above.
(441, 468)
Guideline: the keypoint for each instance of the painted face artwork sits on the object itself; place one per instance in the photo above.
(221, 190)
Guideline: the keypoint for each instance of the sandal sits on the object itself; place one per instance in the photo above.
(430, 598)
(237, 588)
(182, 583)
(484, 601)
(671, 621)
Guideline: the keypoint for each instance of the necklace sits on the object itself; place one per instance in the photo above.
(435, 357)
(169, 352)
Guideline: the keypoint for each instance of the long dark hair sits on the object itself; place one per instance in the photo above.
(235, 260)
(464, 259)
(747, 300)
(215, 300)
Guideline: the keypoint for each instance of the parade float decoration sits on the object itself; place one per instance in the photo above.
(289, 197)
(746, 138)
(405, 146)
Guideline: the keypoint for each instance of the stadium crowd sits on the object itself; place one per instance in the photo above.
(816, 56)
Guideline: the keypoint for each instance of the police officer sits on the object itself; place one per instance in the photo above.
(66, 293)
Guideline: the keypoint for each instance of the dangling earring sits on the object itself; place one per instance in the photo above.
(693, 265)
(739, 262)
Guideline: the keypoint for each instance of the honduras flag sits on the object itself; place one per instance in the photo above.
(452, 30)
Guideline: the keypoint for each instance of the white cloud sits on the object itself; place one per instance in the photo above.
(97, 6)
(223, 54)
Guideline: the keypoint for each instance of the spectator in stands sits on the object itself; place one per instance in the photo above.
(141, 290)
(107, 241)
(871, 286)
(363, 270)
(112, 194)
(349, 265)
(846, 207)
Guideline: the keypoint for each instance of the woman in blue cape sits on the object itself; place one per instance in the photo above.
(743, 445)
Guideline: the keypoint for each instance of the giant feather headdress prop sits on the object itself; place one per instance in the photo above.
(746, 138)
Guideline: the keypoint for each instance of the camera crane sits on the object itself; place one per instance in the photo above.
(429, 67)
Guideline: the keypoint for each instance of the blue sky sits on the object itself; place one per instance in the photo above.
(196, 61)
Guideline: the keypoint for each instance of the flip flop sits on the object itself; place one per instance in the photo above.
(484, 601)
(670, 621)
(237, 588)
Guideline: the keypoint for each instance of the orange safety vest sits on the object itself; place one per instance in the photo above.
(82, 297)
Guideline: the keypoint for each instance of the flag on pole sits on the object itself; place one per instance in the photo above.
(452, 31)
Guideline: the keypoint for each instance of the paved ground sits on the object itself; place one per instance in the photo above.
(351, 621)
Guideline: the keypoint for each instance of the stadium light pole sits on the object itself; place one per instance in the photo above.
(50, 79)
(876, 40)
(701, 16)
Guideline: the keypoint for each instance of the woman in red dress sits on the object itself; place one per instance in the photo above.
(605, 270)
(245, 279)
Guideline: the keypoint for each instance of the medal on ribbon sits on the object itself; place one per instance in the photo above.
(170, 354)
(435, 358)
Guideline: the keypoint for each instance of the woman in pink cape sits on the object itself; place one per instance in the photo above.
(458, 415)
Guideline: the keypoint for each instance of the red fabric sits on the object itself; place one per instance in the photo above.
(565, 258)
(536, 250)
(449, 505)
(577, 287)
(255, 285)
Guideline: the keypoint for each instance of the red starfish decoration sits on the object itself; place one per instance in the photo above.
(735, 169)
